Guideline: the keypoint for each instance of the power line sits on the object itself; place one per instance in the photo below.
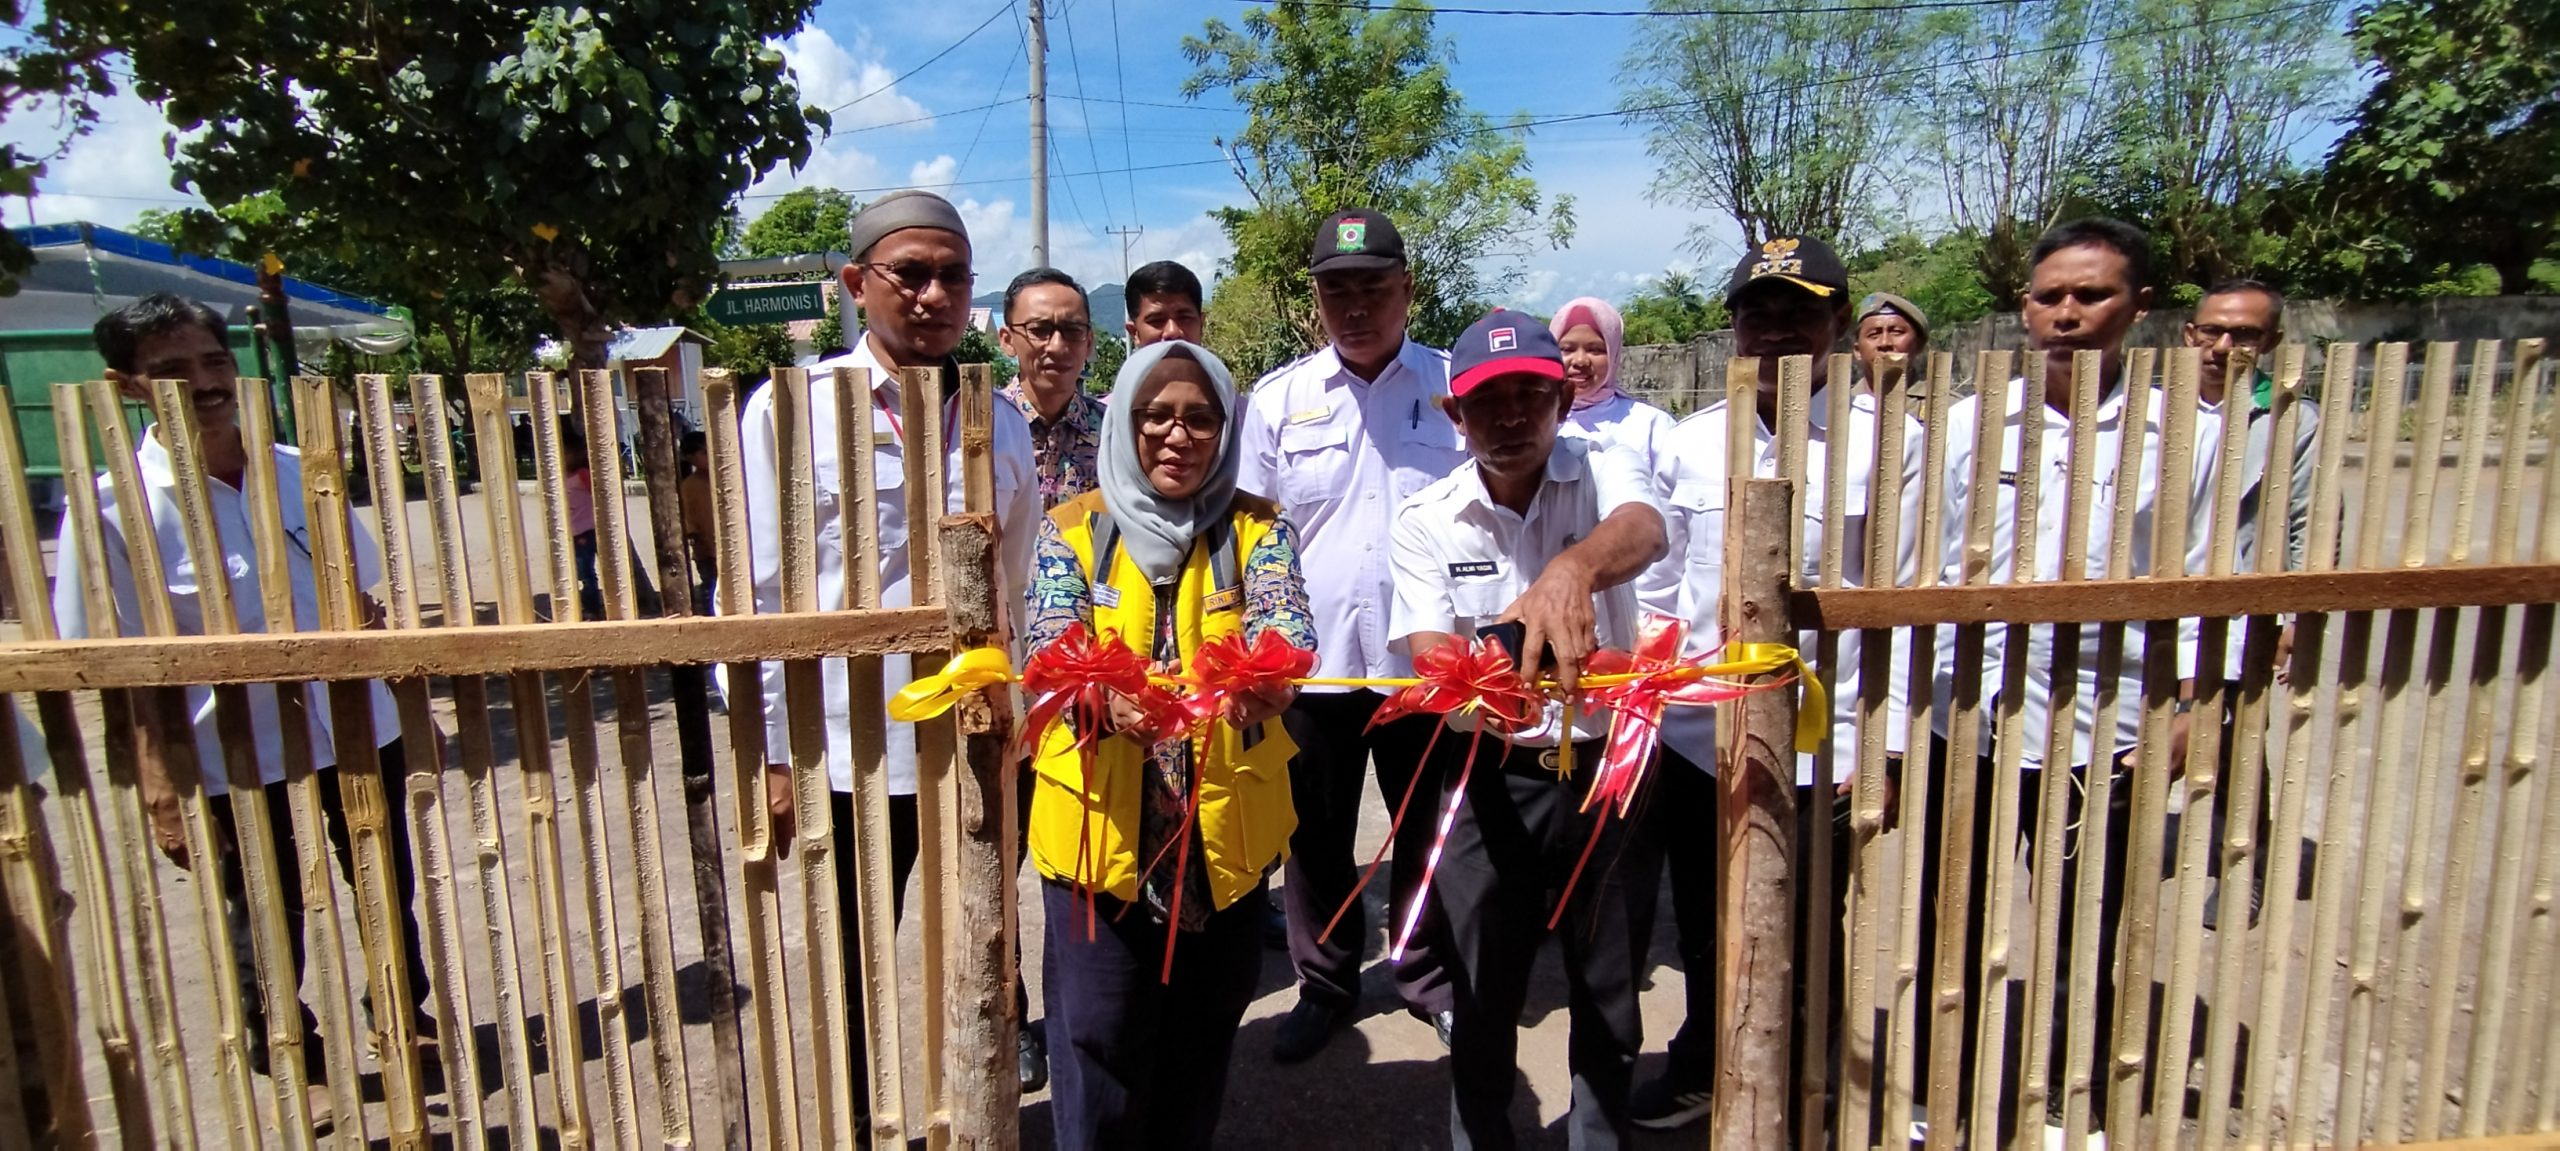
(1023, 51)
(903, 77)
(927, 119)
(1075, 67)
(1808, 10)
(1120, 70)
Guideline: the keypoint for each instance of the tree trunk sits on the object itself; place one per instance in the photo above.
(1756, 992)
(563, 292)
(277, 319)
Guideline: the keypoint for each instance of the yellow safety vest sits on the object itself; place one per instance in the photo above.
(1246, 815)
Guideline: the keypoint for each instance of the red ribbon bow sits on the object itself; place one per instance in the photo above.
(1078, 670)
(1227, 667)
(1661, 679)
(1481, 679)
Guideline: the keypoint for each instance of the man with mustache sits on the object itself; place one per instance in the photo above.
(161, 337)
(911, 274)
(1048, 330)
(1338, 439)
(1538, 538)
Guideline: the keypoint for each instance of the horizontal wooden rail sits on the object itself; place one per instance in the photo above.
(2132, 600)
(270, 658)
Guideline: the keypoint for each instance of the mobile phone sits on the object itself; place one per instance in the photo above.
(1513, 636)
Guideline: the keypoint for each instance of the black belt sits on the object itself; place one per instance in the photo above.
(1548, 762)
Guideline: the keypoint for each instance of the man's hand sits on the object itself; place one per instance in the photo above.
(1125, 715)
(1848, 788)
(2284, 654)
(782, 805)
(168, 828)
(1254, 705)
(1556, 613)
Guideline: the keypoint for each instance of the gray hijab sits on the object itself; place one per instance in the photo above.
(1158, 532)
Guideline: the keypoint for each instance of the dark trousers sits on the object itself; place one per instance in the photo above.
(392, 763)
(1689, 828)
(2110, 916)
(1335, 747)
(902, 863)
(1518, 835)
(1139, 1062)
(590, 593)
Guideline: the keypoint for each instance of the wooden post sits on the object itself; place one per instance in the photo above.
(984, 1080)
(1755, 976)
(690, 685)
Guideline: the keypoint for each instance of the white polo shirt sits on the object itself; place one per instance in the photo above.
(1461, 559)
(1017, 528)
(1339, 454)
(1627, 422)
(239, 562)
(2123, 731)
(1689, 582)
(2247, 541)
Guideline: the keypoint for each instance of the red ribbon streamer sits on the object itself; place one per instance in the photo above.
(1227, 667)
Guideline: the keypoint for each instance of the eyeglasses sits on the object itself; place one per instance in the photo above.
(1042, 331)
(1202, 423)
(2207, 335)
(914, 276)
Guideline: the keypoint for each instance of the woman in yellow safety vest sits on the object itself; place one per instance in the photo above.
(1165, 555)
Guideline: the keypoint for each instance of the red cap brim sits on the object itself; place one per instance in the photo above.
(1539, 366)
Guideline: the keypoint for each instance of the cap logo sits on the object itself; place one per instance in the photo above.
(1351, 236)
(1502, 339)
(1778, 258)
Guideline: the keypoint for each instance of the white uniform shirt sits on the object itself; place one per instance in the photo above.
(239, 561)
(1461, 559)
(1339, 455)
(2246, 539)
(1635, 425)
(2052, 495)
(1689, 583)
(1017, 526)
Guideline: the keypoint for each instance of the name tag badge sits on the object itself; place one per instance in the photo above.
(1228, 600)
(1309, 416)
(1105, 595)
(2009, 479)
(1474, 569)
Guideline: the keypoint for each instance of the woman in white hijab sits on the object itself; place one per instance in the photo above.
(1153, 854)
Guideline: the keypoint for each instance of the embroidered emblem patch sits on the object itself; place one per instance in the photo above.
(1351, 236)
(1778, 258)
(1503, 339)
(1228, 600)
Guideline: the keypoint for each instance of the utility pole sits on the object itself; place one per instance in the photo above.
(1039, 138)
(1126, 235)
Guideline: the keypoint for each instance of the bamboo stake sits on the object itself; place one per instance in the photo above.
(167, 713)
(2366, 979)
(1858, 1061)
(41, 943)
(1998, 849)
(2344, 835)
(2488, 639)
(1792, 424)
(1903, 1021)
(875, 877)
(2201, 770)
(937, 788)
(122, 715)
(768, 984)
(2249, 783)
(2135, 441)
(2036, 1058)
(1833, 652)
(477, 755)
(100, 956)
(804, 688)
(532, 710)
(2399, 1015)
(423, 745)
(381, 915)
(648, 861)
(578, 724)
(985, 1065)
(2526, 791)
(690, 684)
(254, 832)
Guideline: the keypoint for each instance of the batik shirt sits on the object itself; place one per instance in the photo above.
(1063, 449)
(1275, 598)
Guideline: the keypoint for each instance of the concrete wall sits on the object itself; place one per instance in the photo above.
(1683, 378)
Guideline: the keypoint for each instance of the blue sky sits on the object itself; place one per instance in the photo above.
(922, 131)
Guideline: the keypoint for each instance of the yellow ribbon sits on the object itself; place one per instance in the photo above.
(972, 670)
(984, 667)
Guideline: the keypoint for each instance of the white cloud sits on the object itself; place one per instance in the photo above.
(855, 84)
(934, 173)
(110, 176)
(1000, 236)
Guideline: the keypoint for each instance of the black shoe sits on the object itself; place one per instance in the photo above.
(1441, 1023)
(1033, 1047)
(1672, 1100)
(1305, 1030)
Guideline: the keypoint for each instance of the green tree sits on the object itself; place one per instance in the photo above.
(46, 70)
(1944, 276)
(1672, 310)
(1244, 325)
(1103, 370)
(2012, 125)
(804, 220)
(978, 347)
(1347, 106)
(2454, 153)
(1783, 123)
(749, 350)
(586, 153)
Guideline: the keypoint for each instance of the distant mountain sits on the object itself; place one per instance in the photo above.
(1110, 308)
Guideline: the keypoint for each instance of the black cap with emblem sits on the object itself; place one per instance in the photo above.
(1356, 239)
(1803, 261)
